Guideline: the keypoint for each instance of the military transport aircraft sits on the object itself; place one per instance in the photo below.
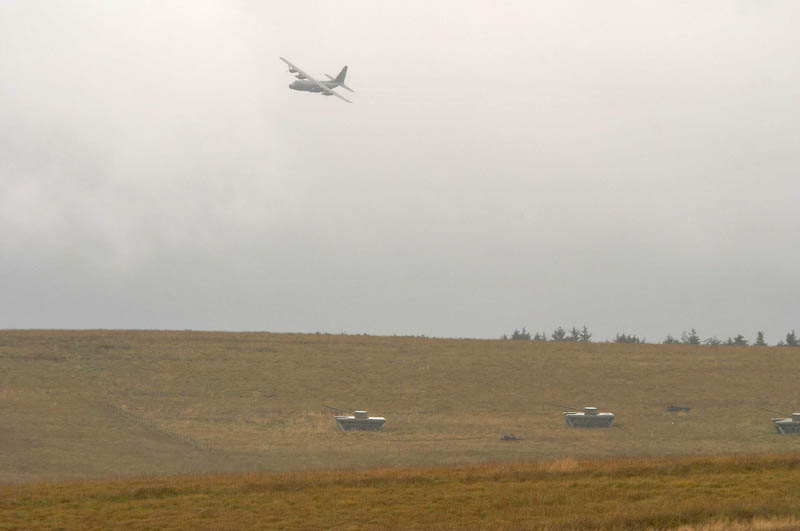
(309, 84)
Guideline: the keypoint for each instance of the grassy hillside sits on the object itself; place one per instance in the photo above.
(89, 404)
(685, 493)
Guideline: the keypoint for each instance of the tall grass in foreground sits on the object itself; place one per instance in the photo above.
(710, 494)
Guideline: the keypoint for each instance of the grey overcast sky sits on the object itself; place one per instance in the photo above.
(631, 166)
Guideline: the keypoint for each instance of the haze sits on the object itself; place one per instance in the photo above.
(630, 166)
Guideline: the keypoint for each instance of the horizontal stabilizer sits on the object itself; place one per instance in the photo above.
(340, 84)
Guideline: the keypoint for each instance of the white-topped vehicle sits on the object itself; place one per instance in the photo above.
(787, 426)
(588, 418)
(360, 421)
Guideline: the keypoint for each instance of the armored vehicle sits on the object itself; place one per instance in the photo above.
(672, 408)
(589, 418)
(787, 426)
(360, 421)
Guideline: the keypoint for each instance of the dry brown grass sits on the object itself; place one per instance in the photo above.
(789, 523)
(709, 494)
(93, 404)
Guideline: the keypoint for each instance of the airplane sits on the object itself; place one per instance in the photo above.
(309, 84)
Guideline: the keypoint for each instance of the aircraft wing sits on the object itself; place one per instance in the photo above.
(320, 85)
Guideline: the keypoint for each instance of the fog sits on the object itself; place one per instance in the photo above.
(628, 166)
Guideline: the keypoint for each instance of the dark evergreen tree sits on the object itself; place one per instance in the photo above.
(759, 342)
(690, 338)
(738, 341)
(791, 340)
(524, 335)
(586, 337)
(669, 340)
(627, 338)
(559, 334)
(574, 335)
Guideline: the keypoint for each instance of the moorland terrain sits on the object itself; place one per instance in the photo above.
(110, 404)
(739, 493)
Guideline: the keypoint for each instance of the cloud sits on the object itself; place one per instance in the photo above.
(622, 165)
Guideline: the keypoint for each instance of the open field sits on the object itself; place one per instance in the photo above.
(100, 404)
(711, 494)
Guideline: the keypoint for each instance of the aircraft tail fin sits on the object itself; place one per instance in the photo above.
(340, 78)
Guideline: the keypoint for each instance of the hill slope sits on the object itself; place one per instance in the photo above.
(83, 404)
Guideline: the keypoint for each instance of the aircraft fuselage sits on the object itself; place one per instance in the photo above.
(309, 86)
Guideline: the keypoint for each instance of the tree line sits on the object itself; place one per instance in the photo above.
(690, 337)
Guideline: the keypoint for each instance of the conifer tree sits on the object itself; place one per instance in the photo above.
(690, 338)
(791, 340)
(759, 342)
(738, 341)
(524, 335)
(559, 334)
(669, 340)
(574, 335)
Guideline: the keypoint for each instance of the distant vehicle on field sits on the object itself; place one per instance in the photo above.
(360, 421)
(588, 418)
(787, 426)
